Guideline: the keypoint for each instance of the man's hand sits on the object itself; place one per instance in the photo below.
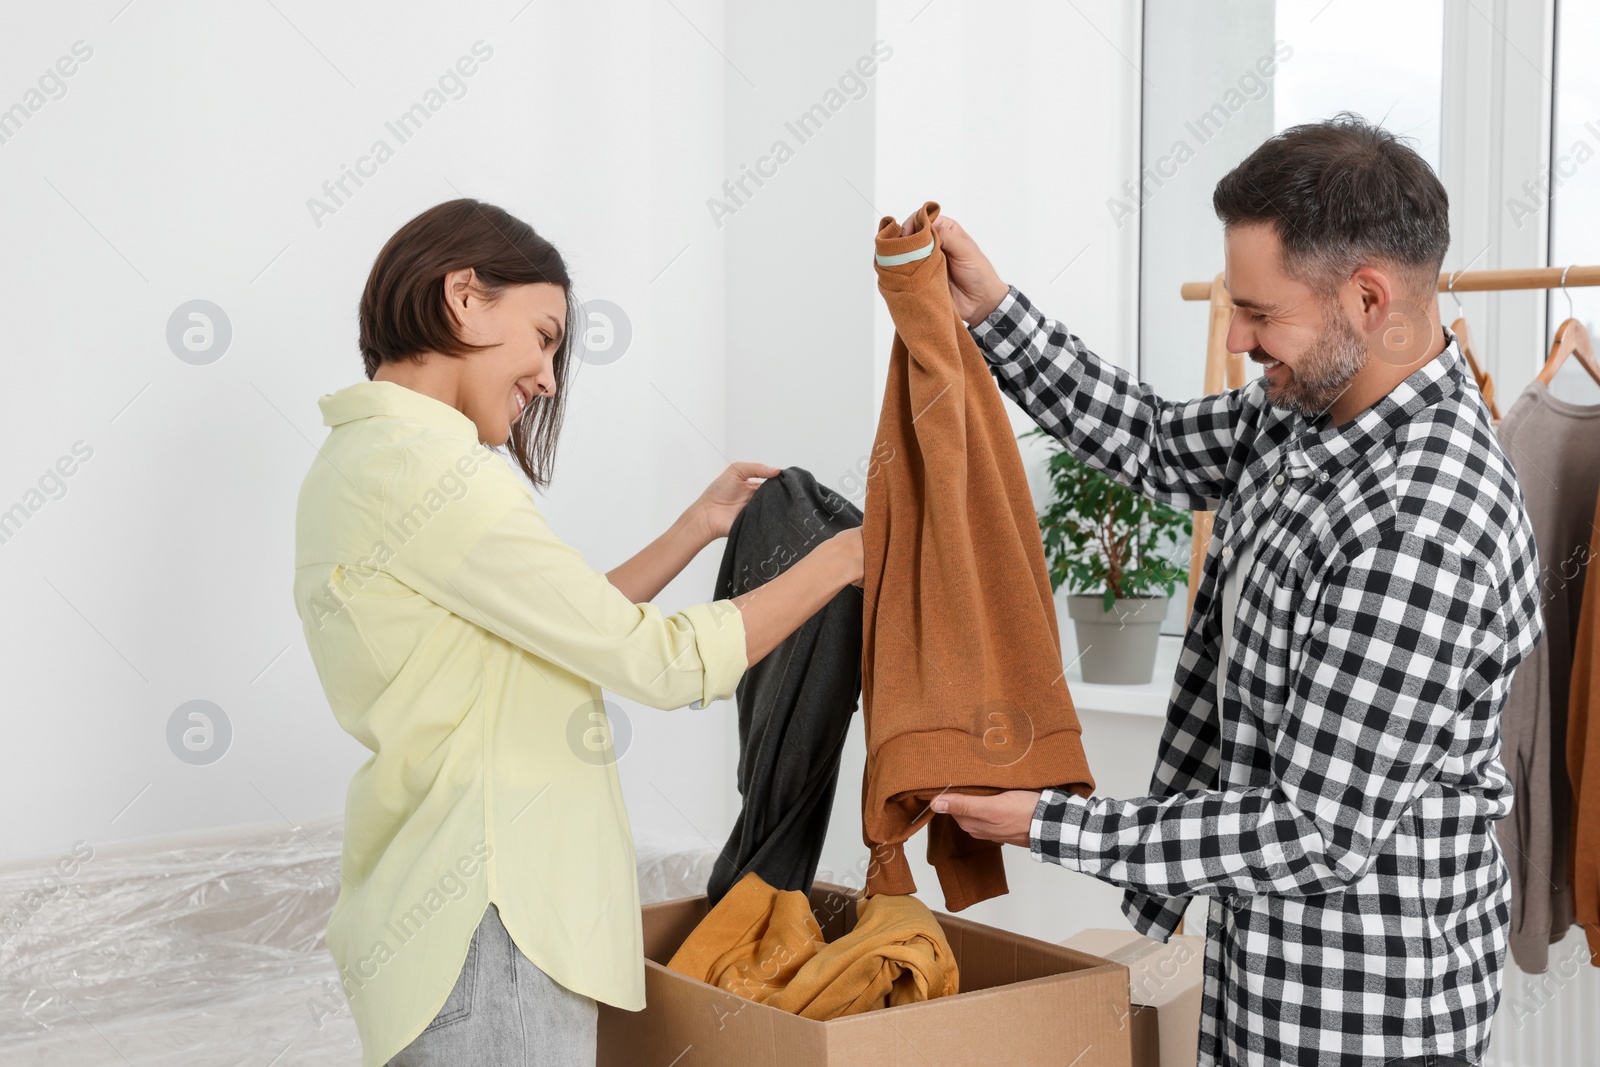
(1005, 817)
(975, 287)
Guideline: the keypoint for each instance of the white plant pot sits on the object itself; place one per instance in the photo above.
(1117, 647)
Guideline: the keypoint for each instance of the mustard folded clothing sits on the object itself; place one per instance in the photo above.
(764, 944)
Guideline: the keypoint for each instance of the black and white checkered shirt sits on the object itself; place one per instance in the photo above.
(1336, 809)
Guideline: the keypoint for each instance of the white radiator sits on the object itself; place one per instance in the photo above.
(1550, 1019)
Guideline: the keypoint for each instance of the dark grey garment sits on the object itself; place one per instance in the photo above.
(795, 703)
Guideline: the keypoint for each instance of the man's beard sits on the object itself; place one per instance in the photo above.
(1323, 373)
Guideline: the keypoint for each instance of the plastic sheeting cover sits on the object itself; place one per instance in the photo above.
(205, 949)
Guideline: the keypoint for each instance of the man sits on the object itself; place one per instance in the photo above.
(1329, 770)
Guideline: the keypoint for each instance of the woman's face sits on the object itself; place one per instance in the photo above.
(524, 326)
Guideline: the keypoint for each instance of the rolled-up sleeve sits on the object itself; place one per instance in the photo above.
(464, 532)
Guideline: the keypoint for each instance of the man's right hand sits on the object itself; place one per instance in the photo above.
(975, 287)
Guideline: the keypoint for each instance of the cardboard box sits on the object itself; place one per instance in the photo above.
(1024, 1002)
(1164, 982)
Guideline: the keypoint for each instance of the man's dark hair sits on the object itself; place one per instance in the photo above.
(1342, 193)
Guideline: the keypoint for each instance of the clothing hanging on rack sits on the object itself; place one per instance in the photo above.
(1583, 736)
(1554, 445)
(1583, 758)
(1479, 375)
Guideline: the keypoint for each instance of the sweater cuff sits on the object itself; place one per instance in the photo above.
(1057, 827)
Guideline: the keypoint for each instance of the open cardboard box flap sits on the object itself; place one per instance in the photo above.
(1166, 982)
(1023, 1002)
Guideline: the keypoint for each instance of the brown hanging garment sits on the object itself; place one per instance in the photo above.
(962, 683)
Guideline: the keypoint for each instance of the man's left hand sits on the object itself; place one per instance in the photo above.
(1004, 817)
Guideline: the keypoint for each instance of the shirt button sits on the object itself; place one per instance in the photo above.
(1278, 480)
(1323, 475)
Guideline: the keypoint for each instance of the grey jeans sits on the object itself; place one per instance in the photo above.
(505, 1010)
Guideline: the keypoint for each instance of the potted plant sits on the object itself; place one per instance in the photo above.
(1117, 552)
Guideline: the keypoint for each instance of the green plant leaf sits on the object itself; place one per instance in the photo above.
(1102, 538)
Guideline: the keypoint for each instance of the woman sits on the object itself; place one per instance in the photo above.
(489, 895)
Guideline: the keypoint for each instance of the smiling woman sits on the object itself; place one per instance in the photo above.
(466, 647)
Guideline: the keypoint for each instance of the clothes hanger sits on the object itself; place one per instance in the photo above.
(1464, 342)
(1572, 339)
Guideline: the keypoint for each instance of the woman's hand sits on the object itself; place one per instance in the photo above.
(975, 287)
(725, 497)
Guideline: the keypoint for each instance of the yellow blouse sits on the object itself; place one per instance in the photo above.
(466, 646)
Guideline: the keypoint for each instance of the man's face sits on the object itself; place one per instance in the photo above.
(1308, 348)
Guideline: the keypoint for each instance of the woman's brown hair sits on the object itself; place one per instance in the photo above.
(404, 313)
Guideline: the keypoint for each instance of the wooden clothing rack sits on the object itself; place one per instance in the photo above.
(1225, 370)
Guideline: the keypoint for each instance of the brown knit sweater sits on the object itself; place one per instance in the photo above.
(962, 684)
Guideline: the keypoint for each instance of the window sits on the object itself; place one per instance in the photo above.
(1219, 80)
(1572, 185)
